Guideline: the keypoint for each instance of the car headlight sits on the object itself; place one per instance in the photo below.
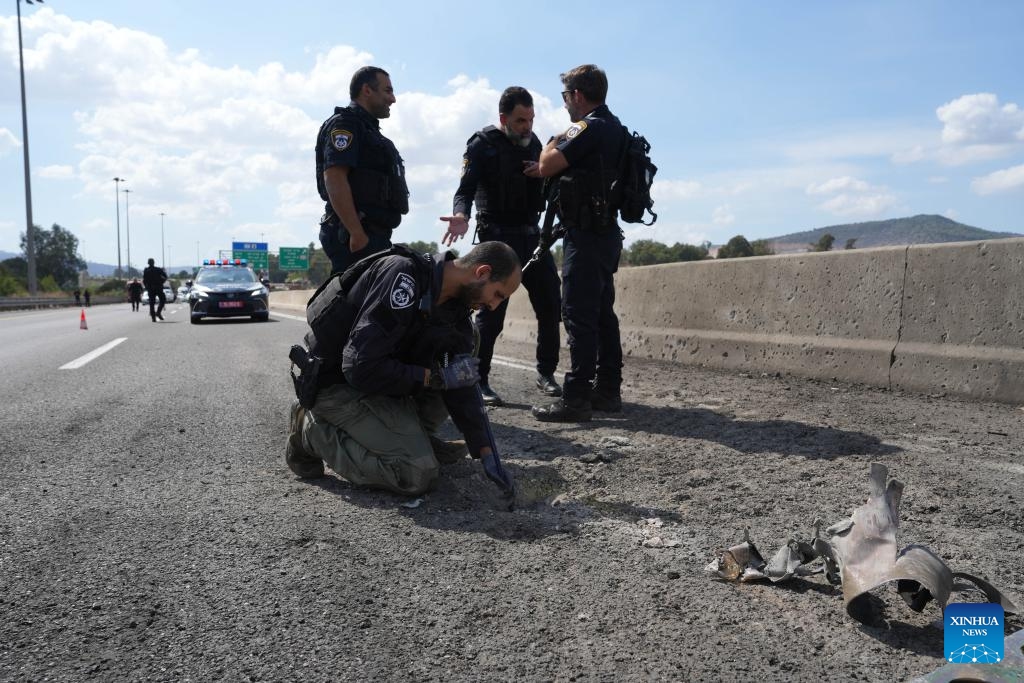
(262, 291)
(198, 294)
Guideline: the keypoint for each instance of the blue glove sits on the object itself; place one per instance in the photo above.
(461, 372)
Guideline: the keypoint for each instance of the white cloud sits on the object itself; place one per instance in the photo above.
(8, 142)
(951, 214)
(1005, 180)
(859, 205)
(837, 184)
(723, 215)
(870, 139)
(852, 197)
(910, 155)
(57, 172)
(975, 128)
(668, 190)
(980, 120)
(204, 143)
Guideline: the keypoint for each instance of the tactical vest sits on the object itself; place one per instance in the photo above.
(331, 315)
(505, 194)
(583, 200)
(370, 186)
(584, 194)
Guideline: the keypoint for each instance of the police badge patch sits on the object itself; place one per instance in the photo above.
(403, 291)
(341, 139)
(575, 129)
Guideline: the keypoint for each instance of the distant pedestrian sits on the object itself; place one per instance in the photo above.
(153, 279)
(78, 297)
(88, 299)
(135, 293)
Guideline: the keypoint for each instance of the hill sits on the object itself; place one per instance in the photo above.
(923, 229)
(103, 269)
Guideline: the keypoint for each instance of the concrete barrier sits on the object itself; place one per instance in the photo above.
(941, 318)
(963, 320)
(933, 318)
(292, 299)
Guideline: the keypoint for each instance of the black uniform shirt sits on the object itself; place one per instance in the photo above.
(593, 145)
(504, 196)
(595, 142)
(392, 341)
(352, 138)
(153, 277)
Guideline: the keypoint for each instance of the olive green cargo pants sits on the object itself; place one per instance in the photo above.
(377, 441)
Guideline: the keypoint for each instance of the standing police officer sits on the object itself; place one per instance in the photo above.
(499, 171)
(359, 173)
(153, 278)
(586, 160)
(396, 351)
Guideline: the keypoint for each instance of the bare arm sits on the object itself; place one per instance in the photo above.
(552, 161)
(340, 194)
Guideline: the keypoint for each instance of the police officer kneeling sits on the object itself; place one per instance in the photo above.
(390, 353)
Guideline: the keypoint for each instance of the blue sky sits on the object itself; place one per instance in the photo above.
(765, 118)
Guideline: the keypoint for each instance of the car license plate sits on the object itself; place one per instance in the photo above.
(231, 304)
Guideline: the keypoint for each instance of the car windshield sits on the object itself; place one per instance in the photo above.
(216, 276)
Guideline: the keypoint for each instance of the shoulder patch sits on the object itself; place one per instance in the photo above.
(403, 292)
(575, 129)
(341, 139)
(465, 165)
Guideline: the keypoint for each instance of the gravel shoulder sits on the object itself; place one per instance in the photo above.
(120, 563)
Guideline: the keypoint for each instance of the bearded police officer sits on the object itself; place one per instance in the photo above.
(395, 338)
(359, 173)
(499, 172)
(585, 160)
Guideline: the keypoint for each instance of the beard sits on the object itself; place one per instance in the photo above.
(517, 139)
(469, 295)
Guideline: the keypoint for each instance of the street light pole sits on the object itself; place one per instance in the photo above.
(162, 259)
(128, 230)
(30, 239)
(117, 205)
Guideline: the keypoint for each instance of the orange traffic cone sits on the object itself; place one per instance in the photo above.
(82, 325)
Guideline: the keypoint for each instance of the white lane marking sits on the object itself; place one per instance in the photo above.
(510, 362)
(290, 317)
(92, 355)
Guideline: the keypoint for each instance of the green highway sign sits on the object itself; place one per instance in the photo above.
(294, 258)
(257, 259)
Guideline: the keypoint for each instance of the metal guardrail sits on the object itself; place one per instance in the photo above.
(28, 303)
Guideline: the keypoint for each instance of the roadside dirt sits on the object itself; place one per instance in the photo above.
(232, 569)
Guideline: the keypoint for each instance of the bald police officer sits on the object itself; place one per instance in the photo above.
(585, 160)
(403, 365)
(359, 173)
(499, 172)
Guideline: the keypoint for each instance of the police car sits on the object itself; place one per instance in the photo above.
(225, 288)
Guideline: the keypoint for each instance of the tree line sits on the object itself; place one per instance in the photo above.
(58, 262)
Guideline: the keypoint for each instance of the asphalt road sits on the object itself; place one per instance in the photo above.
(149, 529)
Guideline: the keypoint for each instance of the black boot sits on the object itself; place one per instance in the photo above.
(606, 402)
(548, 385)
(490, 397)
(564, 410)
(606, 399)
